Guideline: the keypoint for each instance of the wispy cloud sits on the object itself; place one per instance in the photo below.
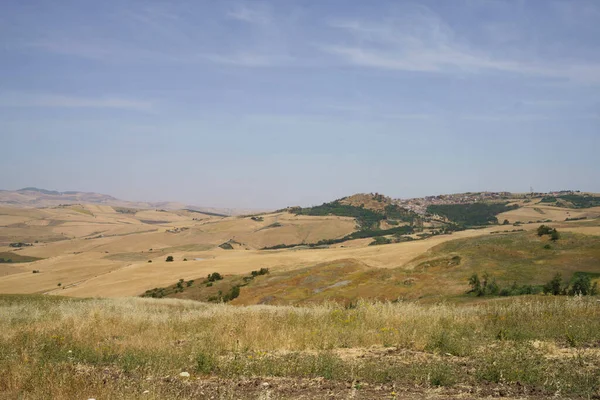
(43, 100)
(253, 13)
(423, 42)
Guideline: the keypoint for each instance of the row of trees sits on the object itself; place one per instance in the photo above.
(581, 285)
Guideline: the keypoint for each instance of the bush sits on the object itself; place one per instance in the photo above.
(475, 284)
(169, 259)
(233, 293)
(205, 363)
(544, 230)
(190, 283)
(149, 261)
(554, 236)
(215, 276)
(262, 271)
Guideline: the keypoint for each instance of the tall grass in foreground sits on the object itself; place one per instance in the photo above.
(117, 348)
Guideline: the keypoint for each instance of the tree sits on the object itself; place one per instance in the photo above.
(169, 259)
(553, 287)
(582, 285)
(505, 222)
(554, 236)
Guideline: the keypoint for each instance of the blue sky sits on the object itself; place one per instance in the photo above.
(269, 104)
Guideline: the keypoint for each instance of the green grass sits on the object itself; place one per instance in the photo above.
(521, 257)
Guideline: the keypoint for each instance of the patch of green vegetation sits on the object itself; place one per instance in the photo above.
(575, 219)
(215, 288)
(8, 257)
(573, 200)
(273, 225)
(379, 240)
(213, 214)
(226, 246)
(364, 217)
(18, 245)
(521, 257)
(474, 214)
(125, 210)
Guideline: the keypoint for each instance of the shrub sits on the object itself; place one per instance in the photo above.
(262, 271)
(554, 236)
(59, 284)
(547, 247)
(190, 283)
(149, 261)
(215, 276)
(185, 259)
(169, 259)
(544, 230)
(475, 285)
(205, 363)
(36, 271)
(233, 293)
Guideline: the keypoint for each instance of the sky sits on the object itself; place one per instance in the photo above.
(267, 104)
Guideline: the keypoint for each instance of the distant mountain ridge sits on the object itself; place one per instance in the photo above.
(39, 198)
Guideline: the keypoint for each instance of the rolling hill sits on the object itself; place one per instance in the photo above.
(39, 198)
(369, 240)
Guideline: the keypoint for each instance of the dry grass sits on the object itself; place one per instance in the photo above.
(118, 348)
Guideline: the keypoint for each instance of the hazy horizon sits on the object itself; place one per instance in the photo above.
(247, 104)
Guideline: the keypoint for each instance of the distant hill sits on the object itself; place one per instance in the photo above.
(39, 198)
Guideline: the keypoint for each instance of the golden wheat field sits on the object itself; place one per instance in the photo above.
(105, 251)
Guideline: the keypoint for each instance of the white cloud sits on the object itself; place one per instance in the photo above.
(43, 100)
